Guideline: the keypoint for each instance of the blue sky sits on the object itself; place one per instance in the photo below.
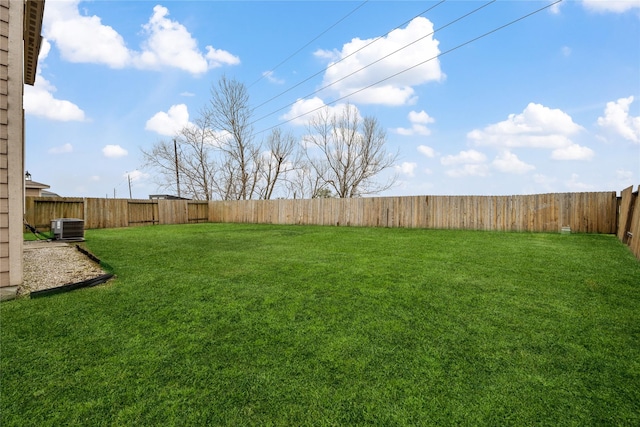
(548, 104)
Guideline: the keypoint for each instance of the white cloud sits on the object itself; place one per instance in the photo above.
(328, 55)
(94, 178)
(114, 151)
(508, 162)
(616, 6)
(469, 170)
(420, 117)
(187, 94)
(169, 123)
(537, 127)
(170, 43)
(45, 48)
(566, 51)
(217, 58)
(406, 168)
(470, 156)
(617, 120)
(544, 181)
(66, 148)
(572, 152)
(304, 109)
(574, 184)
(468, 163)
(397, 90)
(624, 178)
(136, 175)
(269, 75)
(427, 151)
(86, 39)
(418, 120)
(83, 38)
(555, 8)
(624, 175)
(39, 101)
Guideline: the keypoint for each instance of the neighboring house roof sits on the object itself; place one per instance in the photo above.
(35, 185)
(166, 197)
(45, 193)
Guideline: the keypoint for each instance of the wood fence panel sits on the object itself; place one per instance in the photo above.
(624, 221)
(497, 218)
(381, 213)
(228, 212)
(629, 220)
(634, 227)
(173, 212)
(197, 211)
(579, 205)
(266, 210)
(550, 211)
(106, 213)
(437, 217)
(214, 211)
(608, 211)
(563, 209)
(306, 212)
(143, 212)
(39, 211)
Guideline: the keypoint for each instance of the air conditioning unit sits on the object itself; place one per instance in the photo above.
(70, 229)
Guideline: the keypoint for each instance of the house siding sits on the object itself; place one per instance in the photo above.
(4, 161)
(11, 142)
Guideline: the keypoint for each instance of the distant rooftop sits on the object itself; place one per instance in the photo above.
(166, 197)
(28, 183)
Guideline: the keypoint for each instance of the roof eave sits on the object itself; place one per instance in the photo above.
(33, 13)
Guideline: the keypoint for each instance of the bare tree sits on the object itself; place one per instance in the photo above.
(166, 160)
(280, 159)
(187, 159)
(198, 167)
(230, 114)
(217, 155)
(352, 152)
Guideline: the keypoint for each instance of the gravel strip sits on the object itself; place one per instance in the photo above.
(52, 264)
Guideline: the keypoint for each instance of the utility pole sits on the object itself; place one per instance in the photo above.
(175, 150)
(129, 179)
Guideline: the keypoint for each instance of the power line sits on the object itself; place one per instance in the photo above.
(378, 60)
(416, 65)
(311, 41)
(350, 55)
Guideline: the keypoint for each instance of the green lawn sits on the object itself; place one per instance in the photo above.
(223, 324)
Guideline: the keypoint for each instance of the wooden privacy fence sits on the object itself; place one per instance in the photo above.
(113, 213)
(629, 220)
(594, 212)
(583, 212)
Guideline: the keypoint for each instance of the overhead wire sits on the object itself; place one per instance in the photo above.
(333, 64)
(414, 66)
(378, 60)
(311, 41)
